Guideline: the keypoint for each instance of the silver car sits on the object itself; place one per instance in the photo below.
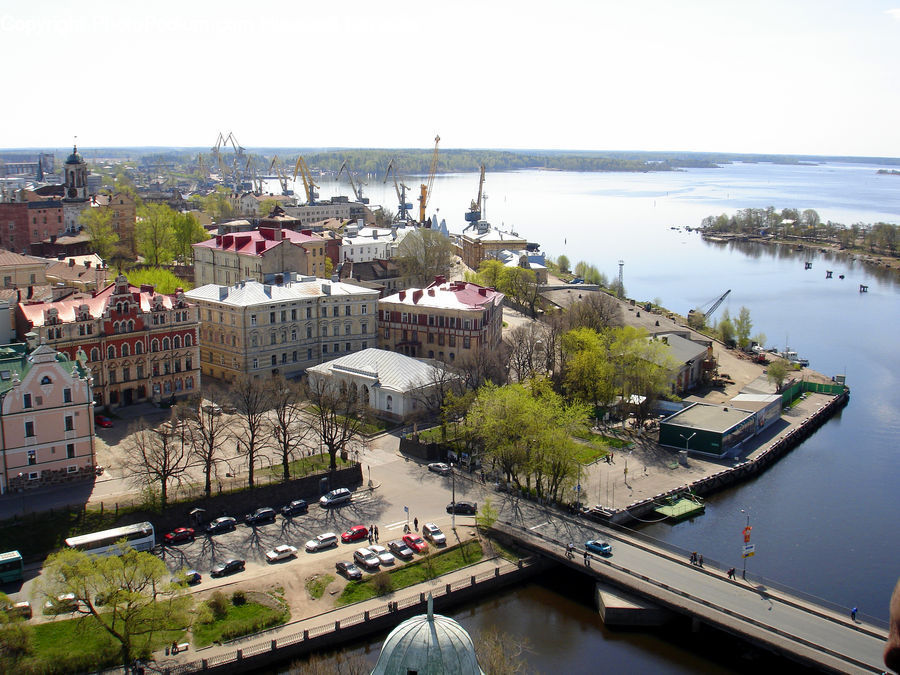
(322, 541)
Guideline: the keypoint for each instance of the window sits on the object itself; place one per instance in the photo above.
(155, 369)
(431, 319)
(293, 315)
(271, 317)
(365, 328)
(154, 345)
(46, 380)
(32, 458)
(253, 319)
(255, 364)
(26, 402)
(67, 395)
(274, 360)
(347, 329)
(165, 344)
(176, 342)
(284, 357)
(309, 331)
(452, 340)
(309, 312)
(272, 338)
(111, 352)
(70, 451)
(347, 310)
(441, 339)
(138, 347)
(187, 363)
(334, 312)
(125, 350)
(324, 349)
(365, 309)
(347, 347)
(365, 345)
(95, 354)
(112, 375)
(390, 402)
(71, 469)
(283, 315)
(294, 356)
(126, 374)
(324, 331)
(29, 429)
(467, 343)
(140, 371)
(387, 333)
(188, 340)
(293, 334)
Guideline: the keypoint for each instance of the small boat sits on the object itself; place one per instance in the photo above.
(792, 357)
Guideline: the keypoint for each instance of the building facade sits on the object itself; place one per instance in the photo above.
(77, 193)
(446, 320)
(229, 258)
(485, 242)
(20, 271)
(264, 329)
(140, 345)
(46, 419)
(123, 215)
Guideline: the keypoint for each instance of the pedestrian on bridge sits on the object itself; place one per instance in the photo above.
(731, 573)
(700, 560)
(587, 559)
(853, 614)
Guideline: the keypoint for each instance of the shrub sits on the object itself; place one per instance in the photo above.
(238, 598)
(218, 604)
(383, 582)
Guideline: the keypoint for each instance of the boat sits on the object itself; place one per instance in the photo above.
(791, 356)
(681, 507)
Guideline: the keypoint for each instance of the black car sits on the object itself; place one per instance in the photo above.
(227, 567)
(295, 508)
(463, 508)
(223, 524)
(260, 516)
(348, 569)
(400, 549)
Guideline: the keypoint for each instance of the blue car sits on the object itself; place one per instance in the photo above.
(598, 546)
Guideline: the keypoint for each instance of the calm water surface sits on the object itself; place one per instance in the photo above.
(825, 517)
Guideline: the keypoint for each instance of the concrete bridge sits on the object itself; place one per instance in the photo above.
(799, 628)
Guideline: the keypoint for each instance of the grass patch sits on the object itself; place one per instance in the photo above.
(304, 466)
(424, 569)
(79, 645)
(238, 620)
(505, 551)
(594, 437)
(587, 454)
(317, 584)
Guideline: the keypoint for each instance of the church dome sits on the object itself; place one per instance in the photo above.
(428, 644)
(74, 158)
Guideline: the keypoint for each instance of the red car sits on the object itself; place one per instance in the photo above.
(355, 533)
(179, 535)
(415, 542)
(102, 421)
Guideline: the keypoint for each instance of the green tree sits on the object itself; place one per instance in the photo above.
(725, 328)
(163, 280)
(777, 372)
(217, 204)
(129, 596)
(645, 367)
(186, 231)
(589, 374)
(15, 636)
(266, 206)
(490, 273)
(742, 327)
(424, 254)
(97, 224)
(329, 267)
(521, 286)
(563, 262)
(155, 234)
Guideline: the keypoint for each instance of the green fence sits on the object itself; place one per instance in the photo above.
(803, 387)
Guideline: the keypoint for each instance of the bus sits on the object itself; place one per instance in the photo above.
(11, 567)
(139, 536)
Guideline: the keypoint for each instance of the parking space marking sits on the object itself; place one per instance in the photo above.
(539, 525)
(394, 526)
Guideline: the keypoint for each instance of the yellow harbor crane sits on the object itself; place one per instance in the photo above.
(308, 185)
(425, 188)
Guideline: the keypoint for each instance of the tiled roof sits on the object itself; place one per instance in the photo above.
(447, 295)
(252, 292)
(257, 242)
(11, 259)
(391, 370)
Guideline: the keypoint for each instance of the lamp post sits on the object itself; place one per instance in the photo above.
(745, 554)
(687, 439)
(453, 499)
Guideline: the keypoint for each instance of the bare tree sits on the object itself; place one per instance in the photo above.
(209, 430)
(156, 457)
(525, 344)
(424, 254)
(337, 412)
(433, 390)
(252, 399)
(484, 365)
(596, 310)
(288, 426)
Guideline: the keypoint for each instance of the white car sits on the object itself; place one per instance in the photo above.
(433, 532)
(385, 556)
(366, 558)
(281, 552)
(439, 468)
(322, 541)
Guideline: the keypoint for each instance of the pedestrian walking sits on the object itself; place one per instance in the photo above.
(694, 558)
(700, 560)
(731, 573)
(853, 614)
(371, 538)
(587, 559)
(375, 527)
(416, 524)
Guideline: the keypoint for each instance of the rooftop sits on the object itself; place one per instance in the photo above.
(257, 242)
(707, 417)
(447, 295)
(390, 370)
(252, 292)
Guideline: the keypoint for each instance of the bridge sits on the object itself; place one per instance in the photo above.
(800, 628)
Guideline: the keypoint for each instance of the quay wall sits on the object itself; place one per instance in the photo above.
(731, 476)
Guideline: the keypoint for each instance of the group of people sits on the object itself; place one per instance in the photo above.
(373, 534)
(696, 559)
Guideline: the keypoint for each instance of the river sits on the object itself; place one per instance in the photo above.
(824, 517)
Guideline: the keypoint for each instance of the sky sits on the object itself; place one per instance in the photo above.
(813, 77)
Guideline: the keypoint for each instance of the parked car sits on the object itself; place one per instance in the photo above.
(336, 497)
(260, 516)
(384, 556)
(355, 533)
(433, 534)
(21, 610)
(322, 541)
(366, 558)
(61, 604)
(281, 552)
(227, 567)
(223, 524)
(439, 468)
(228, 409)
(415, 542)
(213, 410)
(598, 546)
(400, 549)
(295, 508)
(102, 421)
(348, 569)
(180, 534)
(189, 577)
(462, 508)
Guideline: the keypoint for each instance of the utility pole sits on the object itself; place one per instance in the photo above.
(748, 547)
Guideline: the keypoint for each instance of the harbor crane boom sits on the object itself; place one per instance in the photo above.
(357, 191)
(282, 177)
(308, 185)
(474, 213)
(425, 188)
(403, 206)
(697, 317)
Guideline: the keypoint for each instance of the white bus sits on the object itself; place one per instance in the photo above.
(139, 536)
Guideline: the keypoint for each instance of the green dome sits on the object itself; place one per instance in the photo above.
(74, 158)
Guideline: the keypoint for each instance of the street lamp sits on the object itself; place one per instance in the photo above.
(687, 439)
(747, 530)
(453, 498)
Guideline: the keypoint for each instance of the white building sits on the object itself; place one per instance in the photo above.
(363, 244)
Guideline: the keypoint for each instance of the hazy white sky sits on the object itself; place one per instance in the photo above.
(792, 76)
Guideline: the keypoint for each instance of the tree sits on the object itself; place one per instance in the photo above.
(490, 273)
(15, 636)
(186, 231)
(252, 398)
(329, 267)
(157, 457)
(501, 653)
(484, 364)
(266, 206)
(337, 415)
(525, 345)
(217, 204)
(129, 595)
(596, 310)
(424, 254)
(645, 367)
(742, 327)
(97, 225)
(777, 372)
(521, 286)
(209, 430)
(725, 329)
(384, 217)
(288, 427)
(155, 234)
(563, 263)
(163, 280)
(589, 372)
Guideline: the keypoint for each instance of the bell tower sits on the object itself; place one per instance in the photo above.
(75, 191)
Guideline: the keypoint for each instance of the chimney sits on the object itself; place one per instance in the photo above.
(431, 292)
(87, 264)
(71, 262)
(403, 295)
(482, 291)
(417, 295)
(146, 288)
(30, 292)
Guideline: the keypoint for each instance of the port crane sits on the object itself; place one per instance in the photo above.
(282, 177)
(223, 141)
(474, 213)
(308, 185)
(697, 317)
(403, 206)
(357, 191)
(425, 188)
